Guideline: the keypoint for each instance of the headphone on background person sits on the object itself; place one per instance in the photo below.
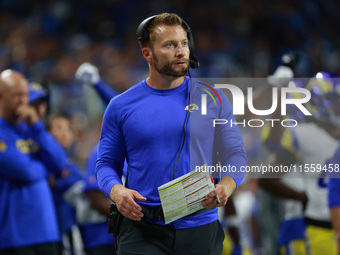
(143, 35)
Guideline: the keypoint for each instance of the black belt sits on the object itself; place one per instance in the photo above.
(318, 223)
(156, 213)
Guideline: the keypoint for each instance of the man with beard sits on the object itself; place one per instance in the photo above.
(156, 128)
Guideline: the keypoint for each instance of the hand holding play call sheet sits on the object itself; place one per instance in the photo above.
(183, 196)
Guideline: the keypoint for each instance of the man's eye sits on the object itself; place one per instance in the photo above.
(169, 44)
(185, 43)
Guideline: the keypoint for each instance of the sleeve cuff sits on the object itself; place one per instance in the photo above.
(106, 179)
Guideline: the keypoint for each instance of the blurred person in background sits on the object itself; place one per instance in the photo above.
(307, 228)
(28, 153)
(290, 237)
(61, 128)
(94, 229)
(333, 185)
(260, 236)
(39, 98)
(334, 194)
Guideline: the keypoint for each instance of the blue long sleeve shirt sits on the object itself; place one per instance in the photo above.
(145, 126)
(105, 91)
(27, 214)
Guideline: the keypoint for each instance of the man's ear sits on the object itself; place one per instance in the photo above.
(147, 54)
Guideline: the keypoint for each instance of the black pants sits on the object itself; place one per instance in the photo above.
(41, 249)
(102, 250)
(144, 238)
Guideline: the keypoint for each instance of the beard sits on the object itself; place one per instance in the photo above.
(166, 68)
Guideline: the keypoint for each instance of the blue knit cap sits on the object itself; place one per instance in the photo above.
(37, 91)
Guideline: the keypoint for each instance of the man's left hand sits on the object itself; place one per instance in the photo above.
(223, 190)
(28, 114)
(211, 199)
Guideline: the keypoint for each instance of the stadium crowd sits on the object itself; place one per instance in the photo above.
(49, 40)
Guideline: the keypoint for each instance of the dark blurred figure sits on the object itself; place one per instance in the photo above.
(28, 152)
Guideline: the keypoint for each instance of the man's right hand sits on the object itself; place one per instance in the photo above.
(125, 202)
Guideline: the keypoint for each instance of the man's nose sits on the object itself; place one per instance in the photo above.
(180, 51)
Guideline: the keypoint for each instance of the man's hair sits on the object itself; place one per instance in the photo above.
(168, 19)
